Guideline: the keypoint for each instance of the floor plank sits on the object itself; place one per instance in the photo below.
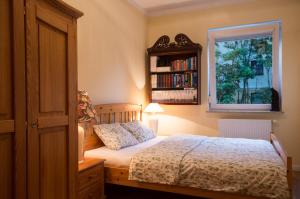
(120, 192)
(296, 187)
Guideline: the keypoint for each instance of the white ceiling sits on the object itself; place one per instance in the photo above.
(160, 7)
(146, 4)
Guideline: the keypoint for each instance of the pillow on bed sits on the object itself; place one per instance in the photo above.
(139, 131)
(114, 136)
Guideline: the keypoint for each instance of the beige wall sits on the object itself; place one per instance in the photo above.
(111, 51)
(195, 119)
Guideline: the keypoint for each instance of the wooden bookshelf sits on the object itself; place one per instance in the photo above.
(176, 88)
(174, 71)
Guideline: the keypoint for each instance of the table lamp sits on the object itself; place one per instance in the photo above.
(153, 108)
(86, 115)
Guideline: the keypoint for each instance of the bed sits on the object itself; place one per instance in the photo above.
(117, 163)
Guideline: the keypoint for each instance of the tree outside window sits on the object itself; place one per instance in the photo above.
(244, 67)
(240, 66)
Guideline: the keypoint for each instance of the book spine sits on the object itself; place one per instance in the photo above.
(153, 63)
(152, 81)
(159, 81)
(194, 63)
(195, 77)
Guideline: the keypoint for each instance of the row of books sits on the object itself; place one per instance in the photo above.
(176, 65)
(177, 96)
(187, 64)
(186, 80)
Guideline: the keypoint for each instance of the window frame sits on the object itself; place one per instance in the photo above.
(273, 27)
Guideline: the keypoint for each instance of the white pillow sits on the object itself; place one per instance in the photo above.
(114, 136)
(139, 131)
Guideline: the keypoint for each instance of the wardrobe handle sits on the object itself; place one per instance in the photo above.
(34, 125)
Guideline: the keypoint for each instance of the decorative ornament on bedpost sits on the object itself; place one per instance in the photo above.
(153, 108)
(86, 116)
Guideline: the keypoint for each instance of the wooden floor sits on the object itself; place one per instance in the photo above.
(120, 192)
(296, 183)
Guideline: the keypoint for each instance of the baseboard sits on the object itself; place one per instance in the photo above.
(296, 167)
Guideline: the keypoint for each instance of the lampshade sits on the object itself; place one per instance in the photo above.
(153, 108)
(86, 111)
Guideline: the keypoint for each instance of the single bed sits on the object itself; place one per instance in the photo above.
(117, 162)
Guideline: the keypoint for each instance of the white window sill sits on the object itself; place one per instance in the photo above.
(241, 111)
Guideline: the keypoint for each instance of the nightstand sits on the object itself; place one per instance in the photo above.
(91, 179)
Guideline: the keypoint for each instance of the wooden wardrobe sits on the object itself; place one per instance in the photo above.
(38, 88)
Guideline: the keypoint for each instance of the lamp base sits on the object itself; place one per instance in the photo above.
(80, 144)
(153, 124)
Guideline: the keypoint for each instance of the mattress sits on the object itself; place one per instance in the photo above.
(122, 157)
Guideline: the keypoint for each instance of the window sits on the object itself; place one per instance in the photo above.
(245, 67)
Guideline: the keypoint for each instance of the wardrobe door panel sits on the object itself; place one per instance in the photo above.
(52, 87)
(6, 65)
(12, 100)
(53, 153)
(6, 171)
(53, 79)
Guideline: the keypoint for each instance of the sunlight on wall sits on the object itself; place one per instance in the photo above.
(170, 125)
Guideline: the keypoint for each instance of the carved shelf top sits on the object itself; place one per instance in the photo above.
(181, 41)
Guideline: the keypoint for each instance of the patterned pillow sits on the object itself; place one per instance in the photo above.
(139, 131)
(114, 136)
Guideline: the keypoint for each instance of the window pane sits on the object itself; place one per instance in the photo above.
(244, 70)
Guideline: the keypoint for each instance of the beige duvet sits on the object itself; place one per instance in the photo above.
(244, 166)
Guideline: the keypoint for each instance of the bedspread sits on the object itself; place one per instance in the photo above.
(244, 166)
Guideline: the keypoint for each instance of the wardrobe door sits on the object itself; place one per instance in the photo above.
(12, 100)
(52, 88)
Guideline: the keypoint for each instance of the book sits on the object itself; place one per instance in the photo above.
(153, 63)
(163, 69)
(154, 81)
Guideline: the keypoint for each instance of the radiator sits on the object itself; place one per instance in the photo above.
(240, 128)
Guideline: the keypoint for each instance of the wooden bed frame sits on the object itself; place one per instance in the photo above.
(110, 113)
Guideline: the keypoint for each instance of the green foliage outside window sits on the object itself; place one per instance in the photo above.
(244, 70)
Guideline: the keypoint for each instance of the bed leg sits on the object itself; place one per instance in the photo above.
(290, 175)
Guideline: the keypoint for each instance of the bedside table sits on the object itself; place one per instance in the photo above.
(91, 179)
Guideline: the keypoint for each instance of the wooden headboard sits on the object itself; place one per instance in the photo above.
(111, 113)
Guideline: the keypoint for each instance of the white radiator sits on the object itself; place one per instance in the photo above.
(240, 128)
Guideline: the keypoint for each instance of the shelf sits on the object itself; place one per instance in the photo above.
(179, 103)
(176, 103)
(179, 51)
(166, 89)
(174, 72)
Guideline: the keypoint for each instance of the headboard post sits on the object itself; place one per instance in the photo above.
(141, 112)
(111, 113)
